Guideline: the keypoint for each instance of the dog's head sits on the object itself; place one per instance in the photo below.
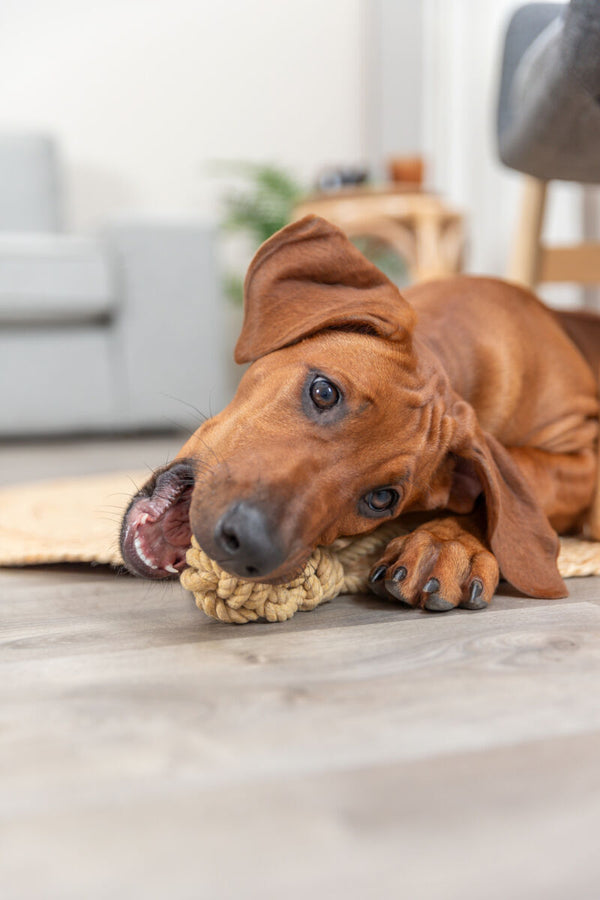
(343, 419)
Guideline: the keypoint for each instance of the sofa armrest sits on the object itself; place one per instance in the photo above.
(169, 325)
(30, 188)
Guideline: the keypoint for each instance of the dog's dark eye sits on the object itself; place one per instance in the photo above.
(323, 393)
(381, 500)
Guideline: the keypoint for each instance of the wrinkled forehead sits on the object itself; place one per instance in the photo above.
(270, 405)
(360, 363)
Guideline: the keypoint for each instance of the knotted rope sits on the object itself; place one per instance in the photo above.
(342, 568)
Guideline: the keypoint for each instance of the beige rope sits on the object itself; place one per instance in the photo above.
(342, 568)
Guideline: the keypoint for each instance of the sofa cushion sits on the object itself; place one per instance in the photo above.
(53, 279)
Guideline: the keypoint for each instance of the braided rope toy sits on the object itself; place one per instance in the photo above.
(342, 568)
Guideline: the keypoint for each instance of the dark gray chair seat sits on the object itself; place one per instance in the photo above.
(549, 104)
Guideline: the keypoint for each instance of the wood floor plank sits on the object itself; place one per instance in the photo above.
(295, 702)
(461, 827)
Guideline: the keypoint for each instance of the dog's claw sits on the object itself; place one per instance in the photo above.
(378, 574)
(475, 601)
(431, 586)
(392, 585)
(393, 590)
(476, 590)
(435, 603)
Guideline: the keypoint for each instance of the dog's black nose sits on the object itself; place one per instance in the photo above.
(247, 540)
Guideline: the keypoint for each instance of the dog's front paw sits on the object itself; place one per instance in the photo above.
(437, 572)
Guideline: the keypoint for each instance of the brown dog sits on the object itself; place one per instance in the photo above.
(462, 406)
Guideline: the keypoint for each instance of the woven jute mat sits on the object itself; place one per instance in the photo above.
(67, 520)
(78, 520)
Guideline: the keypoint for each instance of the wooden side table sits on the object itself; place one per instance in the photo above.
(419, 226)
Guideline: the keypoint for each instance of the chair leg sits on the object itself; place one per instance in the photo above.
(526, 252)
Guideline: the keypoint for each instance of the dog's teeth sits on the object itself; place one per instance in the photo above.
(138, 546)
(144, 518)
(171, 569)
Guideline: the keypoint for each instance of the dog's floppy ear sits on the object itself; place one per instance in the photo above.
(520, 536)
(309, 277)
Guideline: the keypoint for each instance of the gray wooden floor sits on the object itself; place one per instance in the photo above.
(360, 750)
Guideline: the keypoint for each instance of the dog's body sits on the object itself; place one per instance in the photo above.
(511, 359)
(462, 406)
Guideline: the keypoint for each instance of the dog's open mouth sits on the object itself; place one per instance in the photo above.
(156, 532)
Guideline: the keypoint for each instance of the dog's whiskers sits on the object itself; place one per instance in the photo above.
(203, 416)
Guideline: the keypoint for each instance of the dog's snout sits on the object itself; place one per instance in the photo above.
(247, 540)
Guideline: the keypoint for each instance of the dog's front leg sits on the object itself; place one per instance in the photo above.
(442, 564)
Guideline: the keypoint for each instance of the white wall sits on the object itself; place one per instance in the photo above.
(142, 94)
(394, 48)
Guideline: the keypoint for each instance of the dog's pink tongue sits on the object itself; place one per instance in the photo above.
(159, 536)
(176, 526)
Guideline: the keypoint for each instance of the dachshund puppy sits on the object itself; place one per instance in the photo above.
(461, 405)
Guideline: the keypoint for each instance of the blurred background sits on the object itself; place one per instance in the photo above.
(147, 147)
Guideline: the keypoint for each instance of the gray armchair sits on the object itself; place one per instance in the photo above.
(549, 105)
(548, 126)
(103, 333)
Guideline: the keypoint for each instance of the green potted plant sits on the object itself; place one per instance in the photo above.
(265, 204)
(258, 210)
